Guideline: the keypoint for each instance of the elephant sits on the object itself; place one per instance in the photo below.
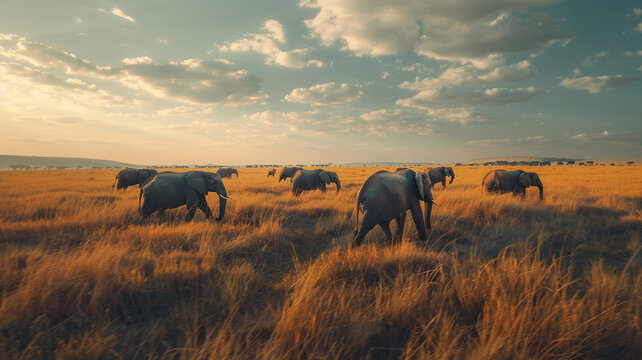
(271, 173)
(439, 174)
(287, 172)
(226, 172)
(130, 177)
(385, 196)
(516, 181)
(168, 190)
(304, 180)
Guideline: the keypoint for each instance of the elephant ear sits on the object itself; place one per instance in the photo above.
(420, 179)
(525, 179)
(325, 177)
(197, 182)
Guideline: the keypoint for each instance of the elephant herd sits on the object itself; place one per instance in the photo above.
(383, 197)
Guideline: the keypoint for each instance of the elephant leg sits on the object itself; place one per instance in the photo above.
(520, 192)
(418, 218)
(366, 226)
(401, 221)
(443, 183)
(385, 226)
(205, 208)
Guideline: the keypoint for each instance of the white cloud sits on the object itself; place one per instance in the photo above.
(193, 81)
(267, 42)
(631, 53)
(78, 20)
(325, 94)
(119, 13)
(457, 30)
(592, 59)
(595, 84)
(385, 75)
(137, 60)
(628, 138)
(450, 96)
(506, 141)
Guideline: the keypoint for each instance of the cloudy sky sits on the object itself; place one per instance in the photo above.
(307, 81)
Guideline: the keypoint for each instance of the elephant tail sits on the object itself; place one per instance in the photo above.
(115, 180)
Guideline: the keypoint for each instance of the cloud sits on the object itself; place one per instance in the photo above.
(195, 81)
(138, 60)
(621, 138)
(595, 84)
(452, 96)
(632, 53)
(592, 59)
(192, 80)
(119, 13)
(325, 94)
(510, 141)
(267, 42)
(456, 30)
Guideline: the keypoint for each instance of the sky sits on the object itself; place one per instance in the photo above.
(320, 81)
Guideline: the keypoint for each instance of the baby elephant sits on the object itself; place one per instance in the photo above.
(130, 177)
(304, 180)
(169, 190)
(439, 175)
(516, 181)
(385, 196)
(271, 173)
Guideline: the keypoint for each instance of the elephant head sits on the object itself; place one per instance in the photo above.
(448, 171)
(203, 182)
(328, 177)
(145, 174)
(422, 180)
(527, 179)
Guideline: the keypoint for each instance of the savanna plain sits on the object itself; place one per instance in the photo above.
(499, 278)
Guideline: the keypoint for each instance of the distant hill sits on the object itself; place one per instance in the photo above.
(384, 163)
(553, 160)
(45, 162)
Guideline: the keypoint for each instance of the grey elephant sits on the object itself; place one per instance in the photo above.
(516, 181)
(168, 190)
(439, 175)
(288, 172)
(226, 172)
(304, 180)
(271, 173)
(385, 196)
(130, 177)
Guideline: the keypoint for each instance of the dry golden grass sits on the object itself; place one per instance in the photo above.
(82, 277)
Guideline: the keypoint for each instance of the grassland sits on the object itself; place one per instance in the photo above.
(82, 277)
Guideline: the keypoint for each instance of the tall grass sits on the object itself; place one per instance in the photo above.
(499, 278)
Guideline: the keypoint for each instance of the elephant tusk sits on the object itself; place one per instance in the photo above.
(434, 203)
(225, 197)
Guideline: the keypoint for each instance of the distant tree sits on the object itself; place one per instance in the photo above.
(630, 163)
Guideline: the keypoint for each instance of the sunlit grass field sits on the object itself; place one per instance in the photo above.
(500, 278)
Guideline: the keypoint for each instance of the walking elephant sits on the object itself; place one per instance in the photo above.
(271, 173)
(288, 172)
(130, 177)
(439, 175)
(304, 180)
(226, 172)
(385, 196)
(169, 190)
(516, 181)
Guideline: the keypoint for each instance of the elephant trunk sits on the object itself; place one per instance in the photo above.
(452, 176)
(541, 190)
(236, 173)
(220, 190)
(336, 181)
(428, 211)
